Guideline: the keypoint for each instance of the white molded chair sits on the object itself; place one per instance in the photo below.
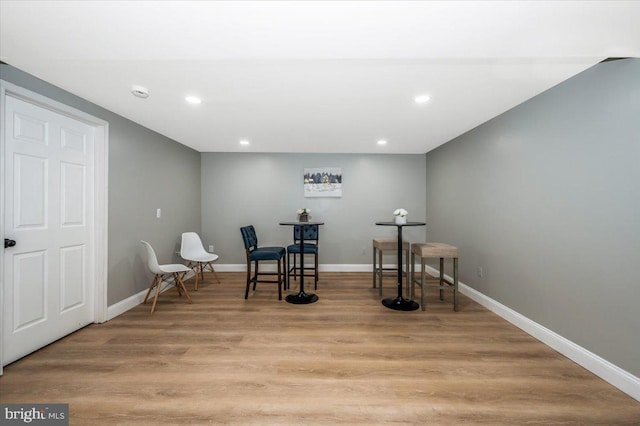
(193, 251)
(160, 271)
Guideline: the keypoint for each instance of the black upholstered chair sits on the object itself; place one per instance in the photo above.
(256, 255)
(311, 239)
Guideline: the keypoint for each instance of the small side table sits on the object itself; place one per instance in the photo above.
(400, 303)
(301, 298)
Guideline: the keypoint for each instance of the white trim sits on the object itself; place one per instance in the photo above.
(621, 379)
(2, 142)
(101, 179)
(101, 217)
(131, 302)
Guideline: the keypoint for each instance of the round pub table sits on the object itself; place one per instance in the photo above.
(400, 303)
(301, 298)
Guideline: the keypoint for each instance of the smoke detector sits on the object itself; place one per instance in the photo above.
(140, 92)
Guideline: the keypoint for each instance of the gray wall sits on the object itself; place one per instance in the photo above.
(146, 171)
(546, 198)
(265, 189)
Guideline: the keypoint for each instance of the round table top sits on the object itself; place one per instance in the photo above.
(301, 223)
(401, 224)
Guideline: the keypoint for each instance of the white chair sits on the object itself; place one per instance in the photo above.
(193, 251)
(160, 271)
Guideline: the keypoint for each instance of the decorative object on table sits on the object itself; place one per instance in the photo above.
(303, 214)
(401, 216)
(323, 182)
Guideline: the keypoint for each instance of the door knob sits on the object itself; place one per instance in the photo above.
(9, 243)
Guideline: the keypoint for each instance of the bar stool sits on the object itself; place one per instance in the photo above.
(390, 244)
(434, 250)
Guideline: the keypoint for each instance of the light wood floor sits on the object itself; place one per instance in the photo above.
(345, 359)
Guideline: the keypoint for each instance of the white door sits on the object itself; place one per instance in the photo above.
(48, 210)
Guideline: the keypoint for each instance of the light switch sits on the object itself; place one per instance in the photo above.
(158, 213)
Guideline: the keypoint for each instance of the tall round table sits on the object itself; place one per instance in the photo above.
(301, 298)
(400, 303)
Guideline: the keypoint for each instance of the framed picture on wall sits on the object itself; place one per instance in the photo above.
(323, 182)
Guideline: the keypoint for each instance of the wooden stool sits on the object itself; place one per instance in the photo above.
(388, 244)
(434, 250)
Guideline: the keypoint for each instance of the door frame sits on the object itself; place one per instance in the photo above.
(100, 188)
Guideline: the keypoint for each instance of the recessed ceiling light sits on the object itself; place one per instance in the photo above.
(193, 100)
(421, 99)
(382, 142)
(140, 92)
(244, 142)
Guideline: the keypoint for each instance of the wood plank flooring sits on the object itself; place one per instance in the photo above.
(343, 360)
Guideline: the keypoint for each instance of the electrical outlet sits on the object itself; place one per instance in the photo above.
(211, 249)
(480, 272)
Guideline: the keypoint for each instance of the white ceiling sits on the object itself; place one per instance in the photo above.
(313, 76)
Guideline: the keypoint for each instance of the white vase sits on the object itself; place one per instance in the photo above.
(401, 220)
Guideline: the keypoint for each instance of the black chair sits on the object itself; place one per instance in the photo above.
(257, 254)
(311, 239)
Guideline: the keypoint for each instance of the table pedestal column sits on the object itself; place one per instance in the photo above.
(400, 303)
(301, 298)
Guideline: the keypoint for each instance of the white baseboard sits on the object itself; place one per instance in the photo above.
(621, 379)
(131, 302)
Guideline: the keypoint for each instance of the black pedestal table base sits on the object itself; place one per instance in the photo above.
(301, 298)
(400, 304)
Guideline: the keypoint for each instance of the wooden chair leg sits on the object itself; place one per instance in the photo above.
(316, 269)
(288, 283)
(406, 271)
(197, 273)
(178, 289)
(379, 273)
(153, 284)
(246, 293)
(255, 276)
(442, 278)
(155, 298)
(185, 273)
(455, 284)
(412, 291)
(180, 283)
(280, 278)
(215, 274)
(422, 284)
(374, 267)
